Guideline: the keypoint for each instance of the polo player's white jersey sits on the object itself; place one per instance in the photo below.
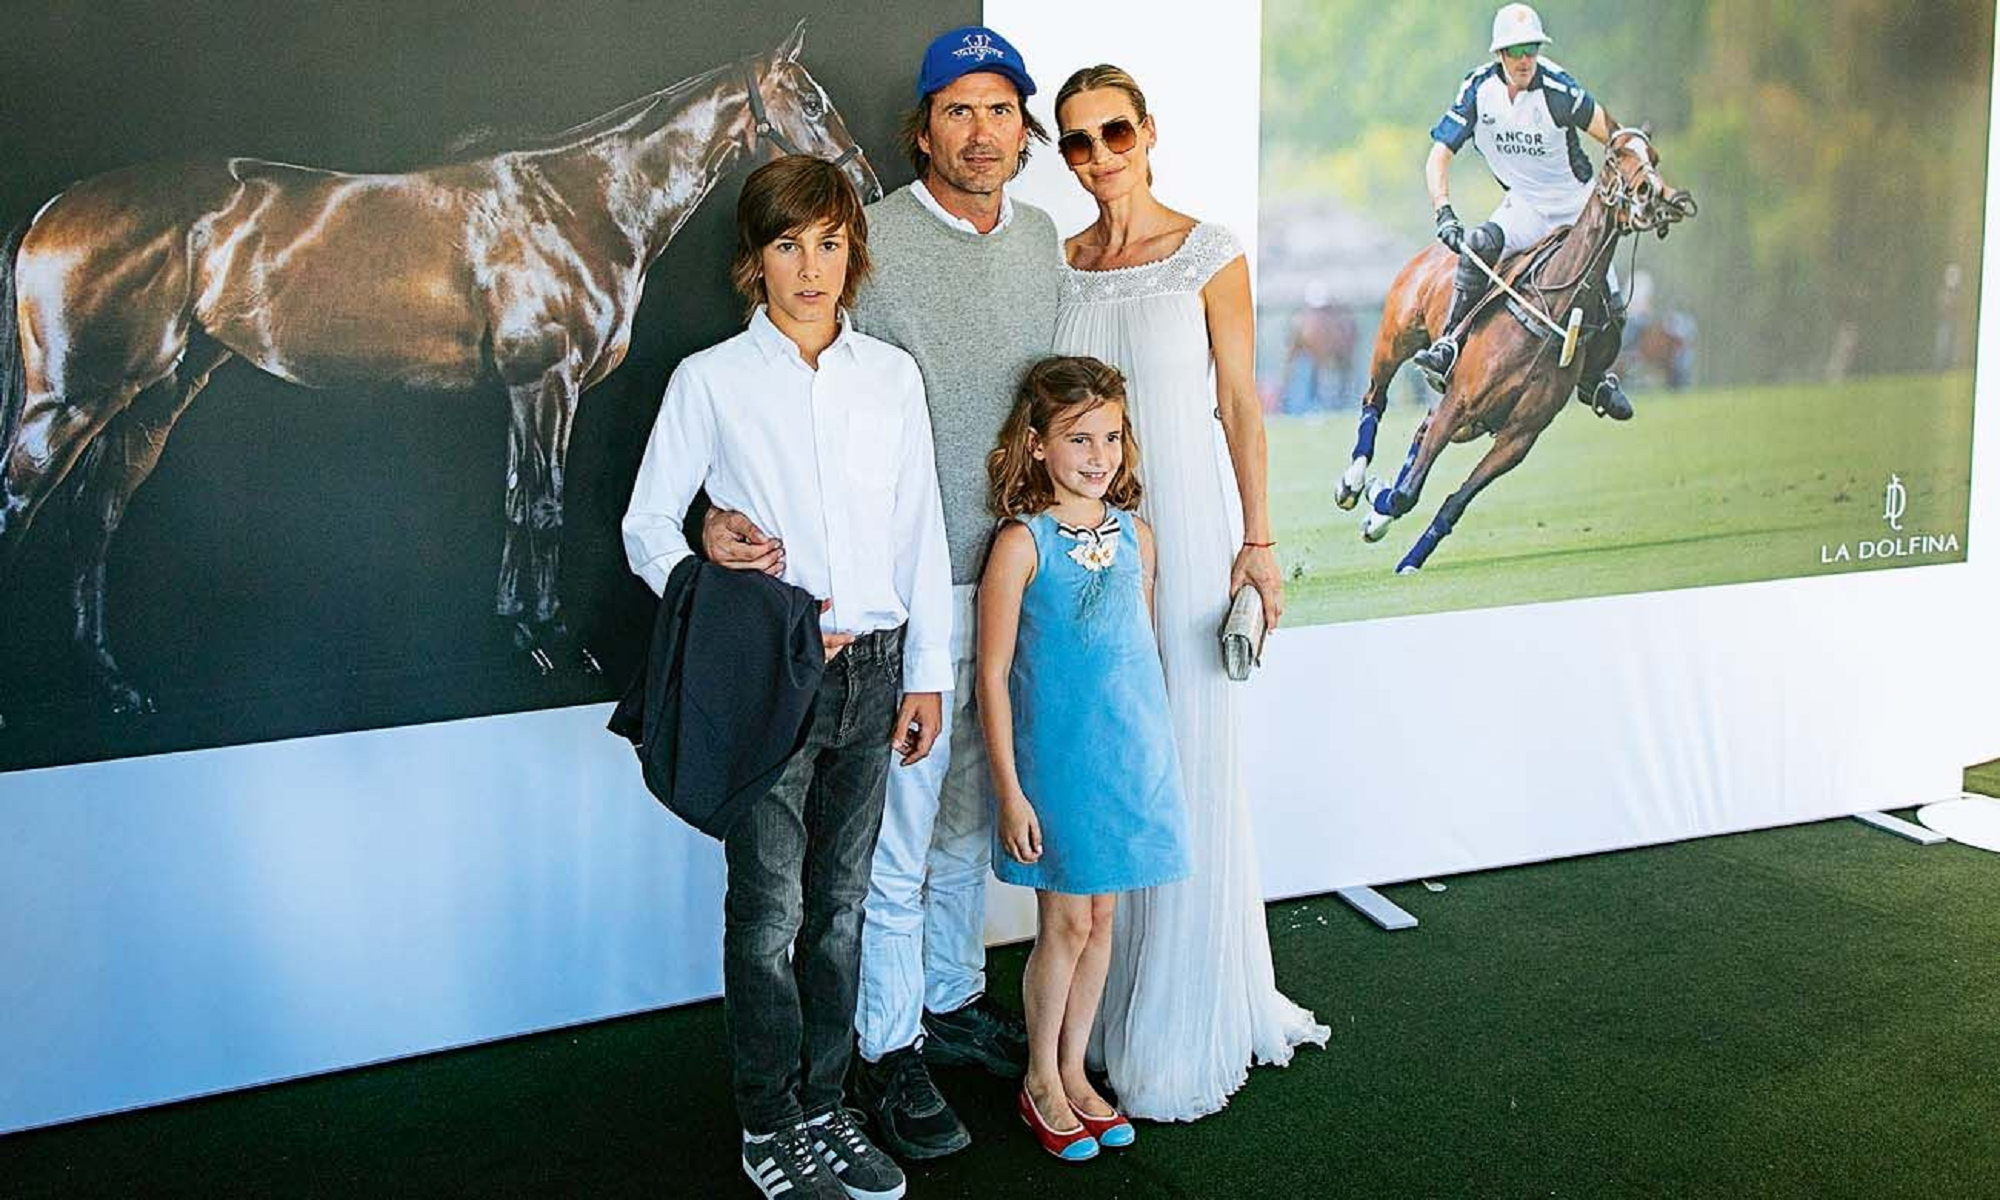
(1529, 142)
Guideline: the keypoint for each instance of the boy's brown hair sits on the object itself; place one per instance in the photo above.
(785, 198)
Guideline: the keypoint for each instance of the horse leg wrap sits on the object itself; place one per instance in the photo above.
(1421, 551)
(1395, 501)
(1402, 497)
(1364, 438)
(1437, 531)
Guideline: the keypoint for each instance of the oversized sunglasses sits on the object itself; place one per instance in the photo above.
(1524, 50)
(1118, 136)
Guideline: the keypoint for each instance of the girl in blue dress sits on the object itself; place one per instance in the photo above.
(1074, 708)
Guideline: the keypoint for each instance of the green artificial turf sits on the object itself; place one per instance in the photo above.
(1713, 486)
(1808, 1012)
(1984, 778)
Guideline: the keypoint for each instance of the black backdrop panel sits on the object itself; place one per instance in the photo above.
(309, 561)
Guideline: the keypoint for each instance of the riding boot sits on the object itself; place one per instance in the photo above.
(1436, 359)
(1599, 387)
(1468, 287)
(1606, 396)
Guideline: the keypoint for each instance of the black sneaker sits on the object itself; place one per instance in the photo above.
(903, 1107)
(866, 1173)
(784, 1167)
(979, 1034)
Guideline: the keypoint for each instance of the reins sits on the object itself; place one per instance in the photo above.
(1617, 197)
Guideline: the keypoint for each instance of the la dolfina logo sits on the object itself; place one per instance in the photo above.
(1895, 504)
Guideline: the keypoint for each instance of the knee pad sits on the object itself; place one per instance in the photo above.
(1487, 241)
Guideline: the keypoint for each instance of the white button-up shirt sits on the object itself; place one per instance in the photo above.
(835, 462)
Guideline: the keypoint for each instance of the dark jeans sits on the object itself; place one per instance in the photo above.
(798, 873)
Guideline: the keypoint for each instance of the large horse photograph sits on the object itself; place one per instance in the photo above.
(319, 401)
(1737, 347)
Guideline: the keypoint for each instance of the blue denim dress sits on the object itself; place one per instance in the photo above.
(1093, 741)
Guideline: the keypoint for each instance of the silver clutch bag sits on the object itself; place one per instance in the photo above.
(1243, 633)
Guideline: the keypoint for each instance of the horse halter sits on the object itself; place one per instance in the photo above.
(768, 132)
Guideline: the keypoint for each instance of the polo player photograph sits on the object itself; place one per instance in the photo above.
(1644, 302)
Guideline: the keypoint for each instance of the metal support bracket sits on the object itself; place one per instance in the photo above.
(1901, 828)
(1377, 908)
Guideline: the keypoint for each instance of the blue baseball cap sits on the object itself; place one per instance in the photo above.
(963, 51)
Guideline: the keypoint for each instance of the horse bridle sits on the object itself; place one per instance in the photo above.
(1625, 199)
(1618, 197)
(766, 131)
(1622, 199)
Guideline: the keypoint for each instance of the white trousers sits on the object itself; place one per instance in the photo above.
(923, 935)
(1525, 225)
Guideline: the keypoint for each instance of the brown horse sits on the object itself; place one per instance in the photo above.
(1508, 381)
(519, 270)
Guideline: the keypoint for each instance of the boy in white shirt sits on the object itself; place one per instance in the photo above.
(821, 435)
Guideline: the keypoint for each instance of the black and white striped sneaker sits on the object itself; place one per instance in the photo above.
(864, 1172)
(784, 1167)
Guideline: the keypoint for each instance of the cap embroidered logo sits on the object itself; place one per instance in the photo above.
(979, 47)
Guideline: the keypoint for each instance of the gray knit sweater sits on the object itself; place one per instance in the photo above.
(975, 312)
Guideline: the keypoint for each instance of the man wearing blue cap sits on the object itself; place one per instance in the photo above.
(965, 279)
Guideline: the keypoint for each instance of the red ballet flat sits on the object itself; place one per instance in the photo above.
(1078, 1145)
(1114, 1132)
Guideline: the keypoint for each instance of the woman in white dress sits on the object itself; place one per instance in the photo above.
(1190, 1002)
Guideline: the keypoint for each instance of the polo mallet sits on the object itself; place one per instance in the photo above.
(1566, 332)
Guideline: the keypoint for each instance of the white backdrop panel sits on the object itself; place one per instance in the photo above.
(193, 922)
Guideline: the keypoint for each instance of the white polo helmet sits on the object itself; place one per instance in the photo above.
(1516, 24)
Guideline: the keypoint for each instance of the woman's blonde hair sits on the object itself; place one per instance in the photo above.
(1056, 393)
(1104, 75)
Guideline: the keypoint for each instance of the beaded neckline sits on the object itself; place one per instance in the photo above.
(1207, 249)
(1144, 266)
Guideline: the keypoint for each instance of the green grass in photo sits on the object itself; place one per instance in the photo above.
(1704, 487)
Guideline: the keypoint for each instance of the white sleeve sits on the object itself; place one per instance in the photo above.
(923, 563)
(678, 455)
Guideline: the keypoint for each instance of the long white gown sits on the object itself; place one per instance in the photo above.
(1191, 1000)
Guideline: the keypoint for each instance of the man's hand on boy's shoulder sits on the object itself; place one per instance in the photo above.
(918, 720)
(730, 539)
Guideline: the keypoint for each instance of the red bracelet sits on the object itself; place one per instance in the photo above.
(1258, 545)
